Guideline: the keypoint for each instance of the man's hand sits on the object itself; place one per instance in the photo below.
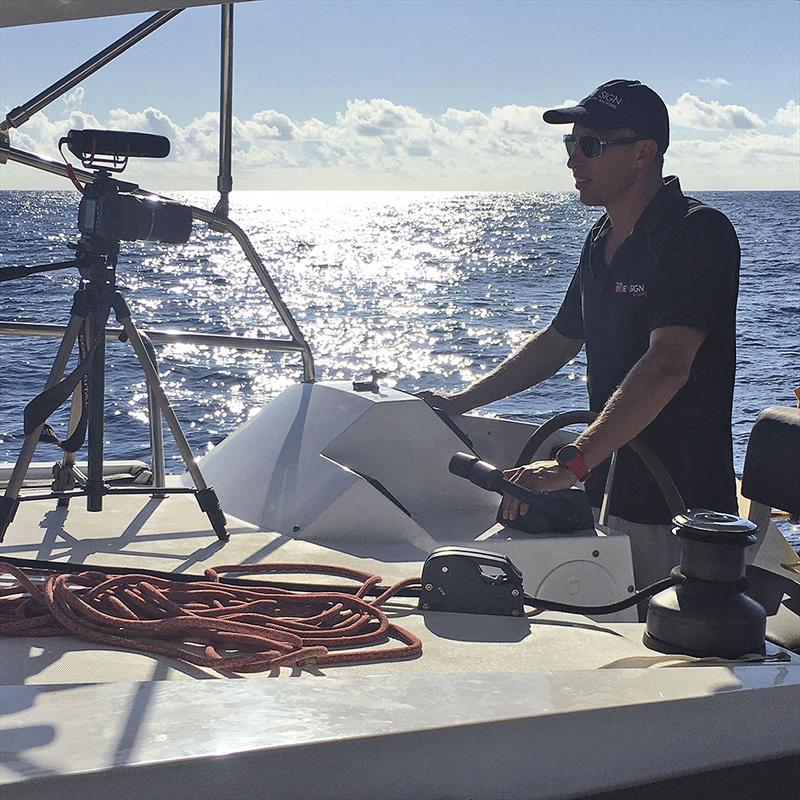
(541, 476)
(451, 404)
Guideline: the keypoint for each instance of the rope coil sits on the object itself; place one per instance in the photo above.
(229, 628)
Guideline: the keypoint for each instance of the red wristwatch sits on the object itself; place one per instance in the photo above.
(571, 457)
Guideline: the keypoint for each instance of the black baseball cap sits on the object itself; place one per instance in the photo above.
(619, 104)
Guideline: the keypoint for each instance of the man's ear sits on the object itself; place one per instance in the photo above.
(648, 152)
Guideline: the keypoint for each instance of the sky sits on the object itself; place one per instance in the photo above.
(420, 95)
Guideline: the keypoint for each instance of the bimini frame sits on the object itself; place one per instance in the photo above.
(217, 219)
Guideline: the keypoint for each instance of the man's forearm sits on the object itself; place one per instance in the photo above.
(539, 358)
(640, 398)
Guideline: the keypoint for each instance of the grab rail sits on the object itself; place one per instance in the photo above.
(216, 223)
(217, 220)
(9, 328)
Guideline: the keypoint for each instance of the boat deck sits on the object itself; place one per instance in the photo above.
(172, 535)
(504, 698)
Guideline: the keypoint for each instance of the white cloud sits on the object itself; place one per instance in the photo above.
(459, 120)
(520, 120)
(692, 112)
(419, 150)
(788, 115)
(714, 81)
(379, 118)
(74, 100)
(266, 125)
(737, 160)
(151, 120)
(40, 135)
(378, 144)
(199, 140)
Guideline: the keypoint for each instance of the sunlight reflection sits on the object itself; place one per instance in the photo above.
(433, 289)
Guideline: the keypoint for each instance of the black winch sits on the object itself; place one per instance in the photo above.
(707, 613)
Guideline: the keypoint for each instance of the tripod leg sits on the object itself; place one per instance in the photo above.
(102, 299)
(63, 472)
(10, 502)
(206, 496)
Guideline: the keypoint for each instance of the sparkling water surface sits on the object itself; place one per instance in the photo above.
(434, 289)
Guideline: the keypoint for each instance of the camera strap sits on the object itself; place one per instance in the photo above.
(44, 404)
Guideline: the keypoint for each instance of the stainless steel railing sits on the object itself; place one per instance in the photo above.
(217, 220)
(8, 328)
(297, 343)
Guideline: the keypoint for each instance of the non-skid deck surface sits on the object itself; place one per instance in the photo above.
(172, 535)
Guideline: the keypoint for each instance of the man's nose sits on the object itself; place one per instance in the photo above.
(575, 158)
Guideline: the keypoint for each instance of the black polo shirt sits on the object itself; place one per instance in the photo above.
(679, 266)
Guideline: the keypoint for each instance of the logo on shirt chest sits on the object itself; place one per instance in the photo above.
(637, 290)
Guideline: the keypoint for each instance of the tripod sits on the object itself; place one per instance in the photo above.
(92, 303)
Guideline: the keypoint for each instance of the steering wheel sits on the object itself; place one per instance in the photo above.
(669, 491)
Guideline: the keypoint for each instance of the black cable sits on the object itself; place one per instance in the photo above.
(186, 577)
(642, 594)
(545, 605)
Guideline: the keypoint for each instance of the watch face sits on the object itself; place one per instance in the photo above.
(566, 454)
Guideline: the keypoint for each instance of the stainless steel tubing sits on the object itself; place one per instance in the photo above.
(217, 223)
(228, 226)
(162, 337)
(605, 506)
(156, 424)
(17, 116)
(10, 328)
(225, 178)
(38, 162)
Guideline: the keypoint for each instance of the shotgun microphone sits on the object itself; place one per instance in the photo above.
(88, 143)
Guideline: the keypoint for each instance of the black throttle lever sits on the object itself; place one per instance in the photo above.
(487, 476)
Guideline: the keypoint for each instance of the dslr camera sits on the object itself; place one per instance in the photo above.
(108, 209)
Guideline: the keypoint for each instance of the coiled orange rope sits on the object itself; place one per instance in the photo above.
(229, 628)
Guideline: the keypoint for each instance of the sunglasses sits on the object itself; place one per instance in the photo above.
(593, 146)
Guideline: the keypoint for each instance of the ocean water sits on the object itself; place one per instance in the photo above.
(433, 289)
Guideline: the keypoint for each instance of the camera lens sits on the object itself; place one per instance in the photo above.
(153, 220)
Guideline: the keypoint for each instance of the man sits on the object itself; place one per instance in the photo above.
(654, 301)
